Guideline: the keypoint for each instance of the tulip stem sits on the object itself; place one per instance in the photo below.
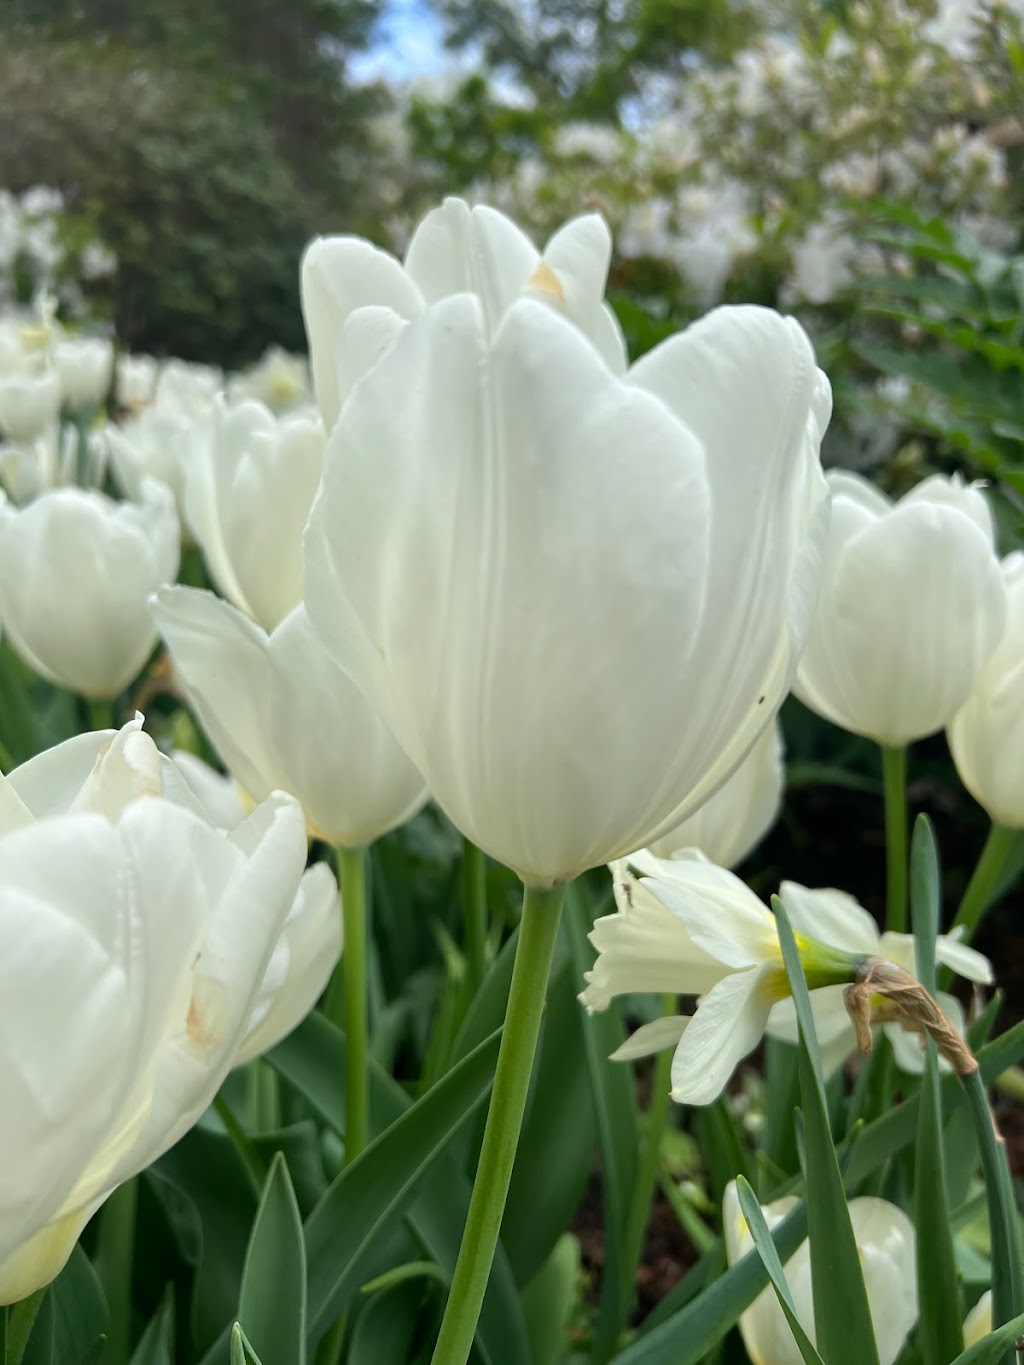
(115, 1256)
(982, 886)
(101, 713)
(894, 782)
(352, 884)
(474, 897)
(534, 951)
(650, 1161)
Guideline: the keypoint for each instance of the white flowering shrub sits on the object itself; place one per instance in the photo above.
(43, 248)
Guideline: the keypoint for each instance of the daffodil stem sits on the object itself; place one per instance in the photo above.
(115, 1256)
(1007, 1287)
(352, 883)
(474, 901)
(894, 782)
(534, 951)
(981, 888)
(650, 1161)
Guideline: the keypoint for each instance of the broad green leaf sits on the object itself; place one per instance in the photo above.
(549, 1301)
(765, 1247)
(617, 1128)
(40, 1345)
(80, 1312)
(487, 1009)
(992, 1350)
(20, 1319)
(842, 1317)
(686, 1337)
(380, 1183)
(311, 1059)
(391, 1325)
(241, 1349)
(156, 1345)
(272, 1303)
(556, 1147)
(722, 1146)
(115, 1261)
(782, 1095)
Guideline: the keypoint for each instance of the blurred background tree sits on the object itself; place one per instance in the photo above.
(208, 143)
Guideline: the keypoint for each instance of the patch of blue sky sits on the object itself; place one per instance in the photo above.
(408, 47)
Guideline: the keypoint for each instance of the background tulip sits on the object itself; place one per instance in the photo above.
(885, 1244)
(355, 297)
(162, 931)
(576, 599)
(730, 824)
(986, 736)
(248, 493)
(281, 714)
(912, 604)
(29, 403)
(85, 367)
(76, 571)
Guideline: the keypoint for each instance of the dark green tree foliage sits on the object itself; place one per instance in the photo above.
(590, 56)
(208, 141)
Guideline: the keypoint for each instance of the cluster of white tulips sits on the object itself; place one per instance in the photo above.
(494, 566)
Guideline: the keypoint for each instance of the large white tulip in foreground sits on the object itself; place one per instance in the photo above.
(986, 736)
(575, 597)
(146, 954)
(912, 604)
(281, 714)
(76, 573)
(886, 1249)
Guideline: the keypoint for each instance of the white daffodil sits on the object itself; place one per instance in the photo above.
(147, 953)
(887, 1254)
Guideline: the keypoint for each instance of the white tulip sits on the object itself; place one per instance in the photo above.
(76, 572)
(888, 1259)
(978, 1322)
(248, 492)
(278, 380)
(29, 404)
(576, 599)
(734, 821)
(688, 927)
(85, 367)
(355, 297)
(282, 715)
(29, 468)
(147, 954)
(135, 380)
(912, 604)
(222, 799)
(986, 736)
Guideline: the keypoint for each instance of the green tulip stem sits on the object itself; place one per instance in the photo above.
(474, 904)
(534, 951)
(982, 886)
(101, 713)
(115, 1256)
(894, 782)
(650, 1160)
(352, 1014)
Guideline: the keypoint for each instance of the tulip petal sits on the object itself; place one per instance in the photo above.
(579, 255)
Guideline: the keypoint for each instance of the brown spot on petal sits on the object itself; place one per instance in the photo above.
(196, 1028)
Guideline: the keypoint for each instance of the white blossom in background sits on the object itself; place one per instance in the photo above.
(135, 380)
(730, 824)
(248, 491)
(886, 1250)
(278, 380)
(29, 403)
(169, 434)
(281, 714)
(183, 949)
(76, 572)
(85, 369)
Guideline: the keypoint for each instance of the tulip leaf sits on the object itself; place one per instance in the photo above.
(842, 1316)
(761, 1234)
(241, 1350)
(80, 1313)
(376, 1188)
(311, 1059)
(549, 1301)
(391, 1324)
(924, 899)
(40, 1342)
(272, 1304)
(156, 1345)
(19, 1320)
(993, 1349)
(688, 1336)
(618, 1128)
(556, 1146)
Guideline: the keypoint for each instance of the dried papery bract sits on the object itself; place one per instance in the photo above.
(884, 993)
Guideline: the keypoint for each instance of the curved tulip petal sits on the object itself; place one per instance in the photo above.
(579, 255)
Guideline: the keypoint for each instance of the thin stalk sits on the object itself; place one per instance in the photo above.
(474, 904)
(1007, 1288)
(981, 888)
(101, 713)
(265, 1097)
(255, 1170)
(650, 1159)
(353, 1015)
(115, 1255)
(894, 782)
(534, 951)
